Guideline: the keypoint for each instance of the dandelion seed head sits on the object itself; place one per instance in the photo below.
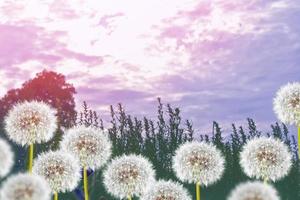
(128, 175)
(286, 103)
(166, 190)
(254, 191)
(6, 158)
(60, 169)
(30, 122)
(198, 162)
(91, 145)
(266, 158)
(25, 187)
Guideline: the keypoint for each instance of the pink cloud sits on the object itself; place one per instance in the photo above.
(234, 6)
(9, 9)
(63, 10)
(91, 60)
(17, 43)
(21, 43)
(98, 96)
(174, 32)
(201, 10)
(106, 20)
(162, 51)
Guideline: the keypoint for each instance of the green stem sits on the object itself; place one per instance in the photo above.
(30, 157)
(198, 190)
(299, 141)
(129, 197)
(85, 184)
(55, 196)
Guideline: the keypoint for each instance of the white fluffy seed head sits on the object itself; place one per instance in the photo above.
(287, 103)
(25, 187)
(128, 175)
(91, 145)
(166, 190)
(6, 158)
(254, 191)
(266, 158)
(60, 169)
(198, 162)
(30, 122)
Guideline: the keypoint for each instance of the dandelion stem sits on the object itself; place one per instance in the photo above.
(30, 161)
(198, 190)
(85, 183)
(129, 197)
(265, 181)
(55, 196)
(299, 141)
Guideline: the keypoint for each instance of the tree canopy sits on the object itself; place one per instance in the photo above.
(47, 86)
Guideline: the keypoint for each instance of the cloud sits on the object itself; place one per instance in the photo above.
(27, 49)
(107, 21)
(217, 60)
(245, 70)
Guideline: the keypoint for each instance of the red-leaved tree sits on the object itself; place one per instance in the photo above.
(47, 86)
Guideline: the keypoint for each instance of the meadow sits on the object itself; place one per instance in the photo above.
(157, 139)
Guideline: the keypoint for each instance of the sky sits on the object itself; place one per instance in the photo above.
(215, 59)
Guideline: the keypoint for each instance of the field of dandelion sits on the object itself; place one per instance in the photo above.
(41, 158)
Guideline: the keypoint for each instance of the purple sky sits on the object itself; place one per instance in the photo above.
(216, 59)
